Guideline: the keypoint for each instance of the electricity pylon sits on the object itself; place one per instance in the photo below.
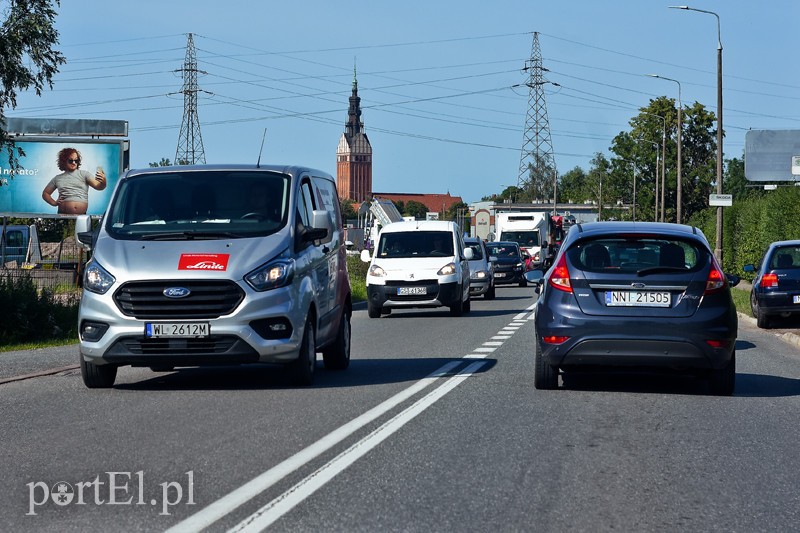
(190, 141)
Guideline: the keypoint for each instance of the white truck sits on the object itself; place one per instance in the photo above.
(19, 246)
(531, 230)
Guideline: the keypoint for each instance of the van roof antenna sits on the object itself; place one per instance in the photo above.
(258, 163)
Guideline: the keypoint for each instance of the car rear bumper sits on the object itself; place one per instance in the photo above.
(774, 303)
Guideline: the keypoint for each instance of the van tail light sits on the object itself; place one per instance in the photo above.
(769, 280)
(559, 279)
(716, 278)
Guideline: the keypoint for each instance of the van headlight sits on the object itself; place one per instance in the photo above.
(272, 275)
(97, 279)
(448, 270)
(377, 271)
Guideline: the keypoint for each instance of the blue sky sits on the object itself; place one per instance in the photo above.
(437, 78)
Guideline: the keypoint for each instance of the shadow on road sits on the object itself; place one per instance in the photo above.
(362, 372)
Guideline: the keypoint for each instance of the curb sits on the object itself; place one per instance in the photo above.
(39, 374)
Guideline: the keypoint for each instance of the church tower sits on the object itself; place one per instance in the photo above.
(354, 154)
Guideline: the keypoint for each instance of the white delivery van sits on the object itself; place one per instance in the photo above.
(418, 264)
(215, 265)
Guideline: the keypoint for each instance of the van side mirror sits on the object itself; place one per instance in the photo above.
(83, 231)
(468, 254)
(321, 227)
(365, 256)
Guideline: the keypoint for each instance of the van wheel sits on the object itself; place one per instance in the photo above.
(373, 310)
(97, 376)
(337, 355)
(302, 370)
(468, 305)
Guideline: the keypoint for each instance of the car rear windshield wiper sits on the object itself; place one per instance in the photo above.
(188, 235)
(659, 270)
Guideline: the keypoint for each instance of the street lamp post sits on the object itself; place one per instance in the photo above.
(718, 248)
(663, 166)
(658, 159)
(680, 128)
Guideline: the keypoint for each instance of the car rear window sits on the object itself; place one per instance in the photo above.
(785, 257)
(632, 254)
(503, 250)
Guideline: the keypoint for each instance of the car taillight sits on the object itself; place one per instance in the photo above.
(716, 278)
(769, 280)
(554, 339)
(560, 276)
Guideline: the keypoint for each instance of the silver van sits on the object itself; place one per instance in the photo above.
(215, 265)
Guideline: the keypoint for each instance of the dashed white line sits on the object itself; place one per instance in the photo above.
(284, 503)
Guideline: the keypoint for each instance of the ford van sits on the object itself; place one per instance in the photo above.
(215, 265)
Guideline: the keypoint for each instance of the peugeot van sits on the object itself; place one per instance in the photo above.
(418, 264)
(215, 265)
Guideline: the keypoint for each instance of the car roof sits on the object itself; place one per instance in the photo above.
(778, 244)
(589, 230)
(418, 225)
(293, 170)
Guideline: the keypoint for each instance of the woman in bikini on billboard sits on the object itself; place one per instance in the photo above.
(72, 184)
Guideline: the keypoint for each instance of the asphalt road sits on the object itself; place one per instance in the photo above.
(435, 427)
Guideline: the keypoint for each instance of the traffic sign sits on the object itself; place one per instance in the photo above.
(724, 200)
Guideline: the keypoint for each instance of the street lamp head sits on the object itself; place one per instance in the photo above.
(679, 7)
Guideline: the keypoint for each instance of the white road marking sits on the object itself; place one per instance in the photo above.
(262, 482)
(490, 343)
(284, 503)
(281, 505)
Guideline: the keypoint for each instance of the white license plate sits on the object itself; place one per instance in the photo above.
(409, 291)
(796, 298)
(500, 274)
(177, 330)
(638, 298)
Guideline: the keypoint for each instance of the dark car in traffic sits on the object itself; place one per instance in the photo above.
(776, 287)
(510, 264)
(635, 295)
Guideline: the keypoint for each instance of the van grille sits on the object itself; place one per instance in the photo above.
(207, 299)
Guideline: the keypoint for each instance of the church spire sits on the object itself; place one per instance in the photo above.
(354, 124)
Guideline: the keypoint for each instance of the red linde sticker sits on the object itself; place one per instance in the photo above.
(218, 262)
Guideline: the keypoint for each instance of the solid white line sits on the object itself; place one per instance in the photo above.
(262, 482)
(284, 503)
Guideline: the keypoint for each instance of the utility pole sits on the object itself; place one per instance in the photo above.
(190, 142)
(536, 158)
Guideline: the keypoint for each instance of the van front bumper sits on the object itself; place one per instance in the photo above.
(434, 295)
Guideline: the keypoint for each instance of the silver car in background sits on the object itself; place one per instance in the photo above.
(481, 269)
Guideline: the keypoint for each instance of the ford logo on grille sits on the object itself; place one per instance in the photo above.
(176, 292)
(638, 285)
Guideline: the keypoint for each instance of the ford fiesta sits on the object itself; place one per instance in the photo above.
(635, 294)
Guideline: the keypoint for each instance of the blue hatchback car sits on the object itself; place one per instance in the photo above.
(635, 295)
(776, 287)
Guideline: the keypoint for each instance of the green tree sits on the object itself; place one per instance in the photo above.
(415, 209)
(348, 211)
(572, 187)
(27, 57)
(165, 162)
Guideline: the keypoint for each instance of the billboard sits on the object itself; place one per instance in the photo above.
(59, 177)
(769, 155)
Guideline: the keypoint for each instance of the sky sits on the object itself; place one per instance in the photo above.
(441, 83)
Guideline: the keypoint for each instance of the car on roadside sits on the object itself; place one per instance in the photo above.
(481, 269)
(420, 263)
(635, 295)
(776, 287)
(510, 265)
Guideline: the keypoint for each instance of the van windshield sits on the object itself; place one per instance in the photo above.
(416, 244)
(195, 205)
